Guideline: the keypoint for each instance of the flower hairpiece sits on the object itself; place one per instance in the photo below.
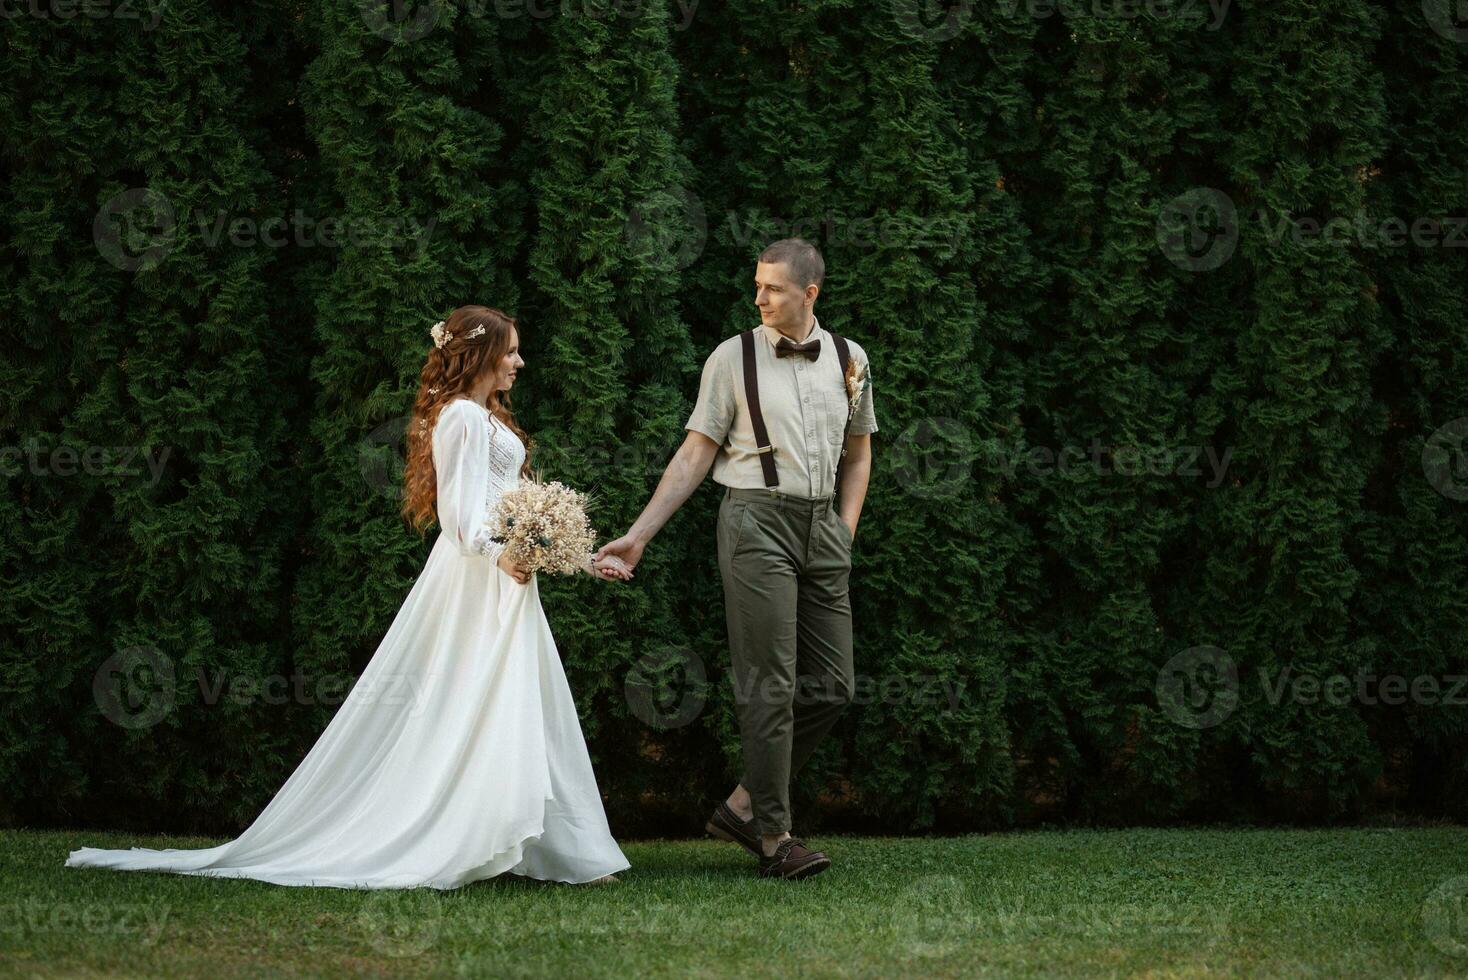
(441, 336)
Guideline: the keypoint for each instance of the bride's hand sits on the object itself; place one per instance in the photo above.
(516, 571)
(611, 567)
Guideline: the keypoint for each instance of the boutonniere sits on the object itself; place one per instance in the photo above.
(858, 380)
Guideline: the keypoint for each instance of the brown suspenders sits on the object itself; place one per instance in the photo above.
(757, 418)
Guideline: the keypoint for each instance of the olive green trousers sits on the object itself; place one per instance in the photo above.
(785, 562)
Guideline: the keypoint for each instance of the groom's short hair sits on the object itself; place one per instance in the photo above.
(803, 258)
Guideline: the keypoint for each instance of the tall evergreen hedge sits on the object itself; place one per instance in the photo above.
(1167, 317)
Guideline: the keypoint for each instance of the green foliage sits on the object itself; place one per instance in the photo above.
(989, 192)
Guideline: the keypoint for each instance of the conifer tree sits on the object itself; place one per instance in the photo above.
(151, 522)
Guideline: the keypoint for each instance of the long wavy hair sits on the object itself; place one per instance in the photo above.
(451, 372)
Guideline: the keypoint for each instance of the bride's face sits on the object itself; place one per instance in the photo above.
(504, 376)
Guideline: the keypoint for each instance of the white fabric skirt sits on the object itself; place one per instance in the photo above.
(456, 756)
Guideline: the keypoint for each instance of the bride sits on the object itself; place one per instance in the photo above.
(481, 768)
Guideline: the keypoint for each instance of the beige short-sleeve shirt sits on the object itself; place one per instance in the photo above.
(804, 404)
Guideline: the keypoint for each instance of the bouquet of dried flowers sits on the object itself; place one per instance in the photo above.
(544, 527)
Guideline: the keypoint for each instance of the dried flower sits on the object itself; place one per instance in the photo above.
(544, 527)
(858, 380)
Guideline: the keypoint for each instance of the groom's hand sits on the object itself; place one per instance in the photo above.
(627, 548)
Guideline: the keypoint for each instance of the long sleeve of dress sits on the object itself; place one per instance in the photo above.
(468, 490)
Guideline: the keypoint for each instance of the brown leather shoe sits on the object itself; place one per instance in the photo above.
(792, 859)
(726, 825)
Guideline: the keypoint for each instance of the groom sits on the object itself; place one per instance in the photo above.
(772, 418)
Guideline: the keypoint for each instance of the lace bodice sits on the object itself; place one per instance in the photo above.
(477, 458)
(506, 454)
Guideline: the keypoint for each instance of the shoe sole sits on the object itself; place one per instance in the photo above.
(804, 871)
(723, 834)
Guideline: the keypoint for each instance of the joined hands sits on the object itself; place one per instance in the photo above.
(610, 568)
(626, 549)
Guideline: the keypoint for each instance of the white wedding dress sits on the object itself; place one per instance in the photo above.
(458, 754)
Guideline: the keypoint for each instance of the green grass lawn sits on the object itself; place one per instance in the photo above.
(1167, 903)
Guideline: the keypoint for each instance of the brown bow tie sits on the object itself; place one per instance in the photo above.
(788, 348)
